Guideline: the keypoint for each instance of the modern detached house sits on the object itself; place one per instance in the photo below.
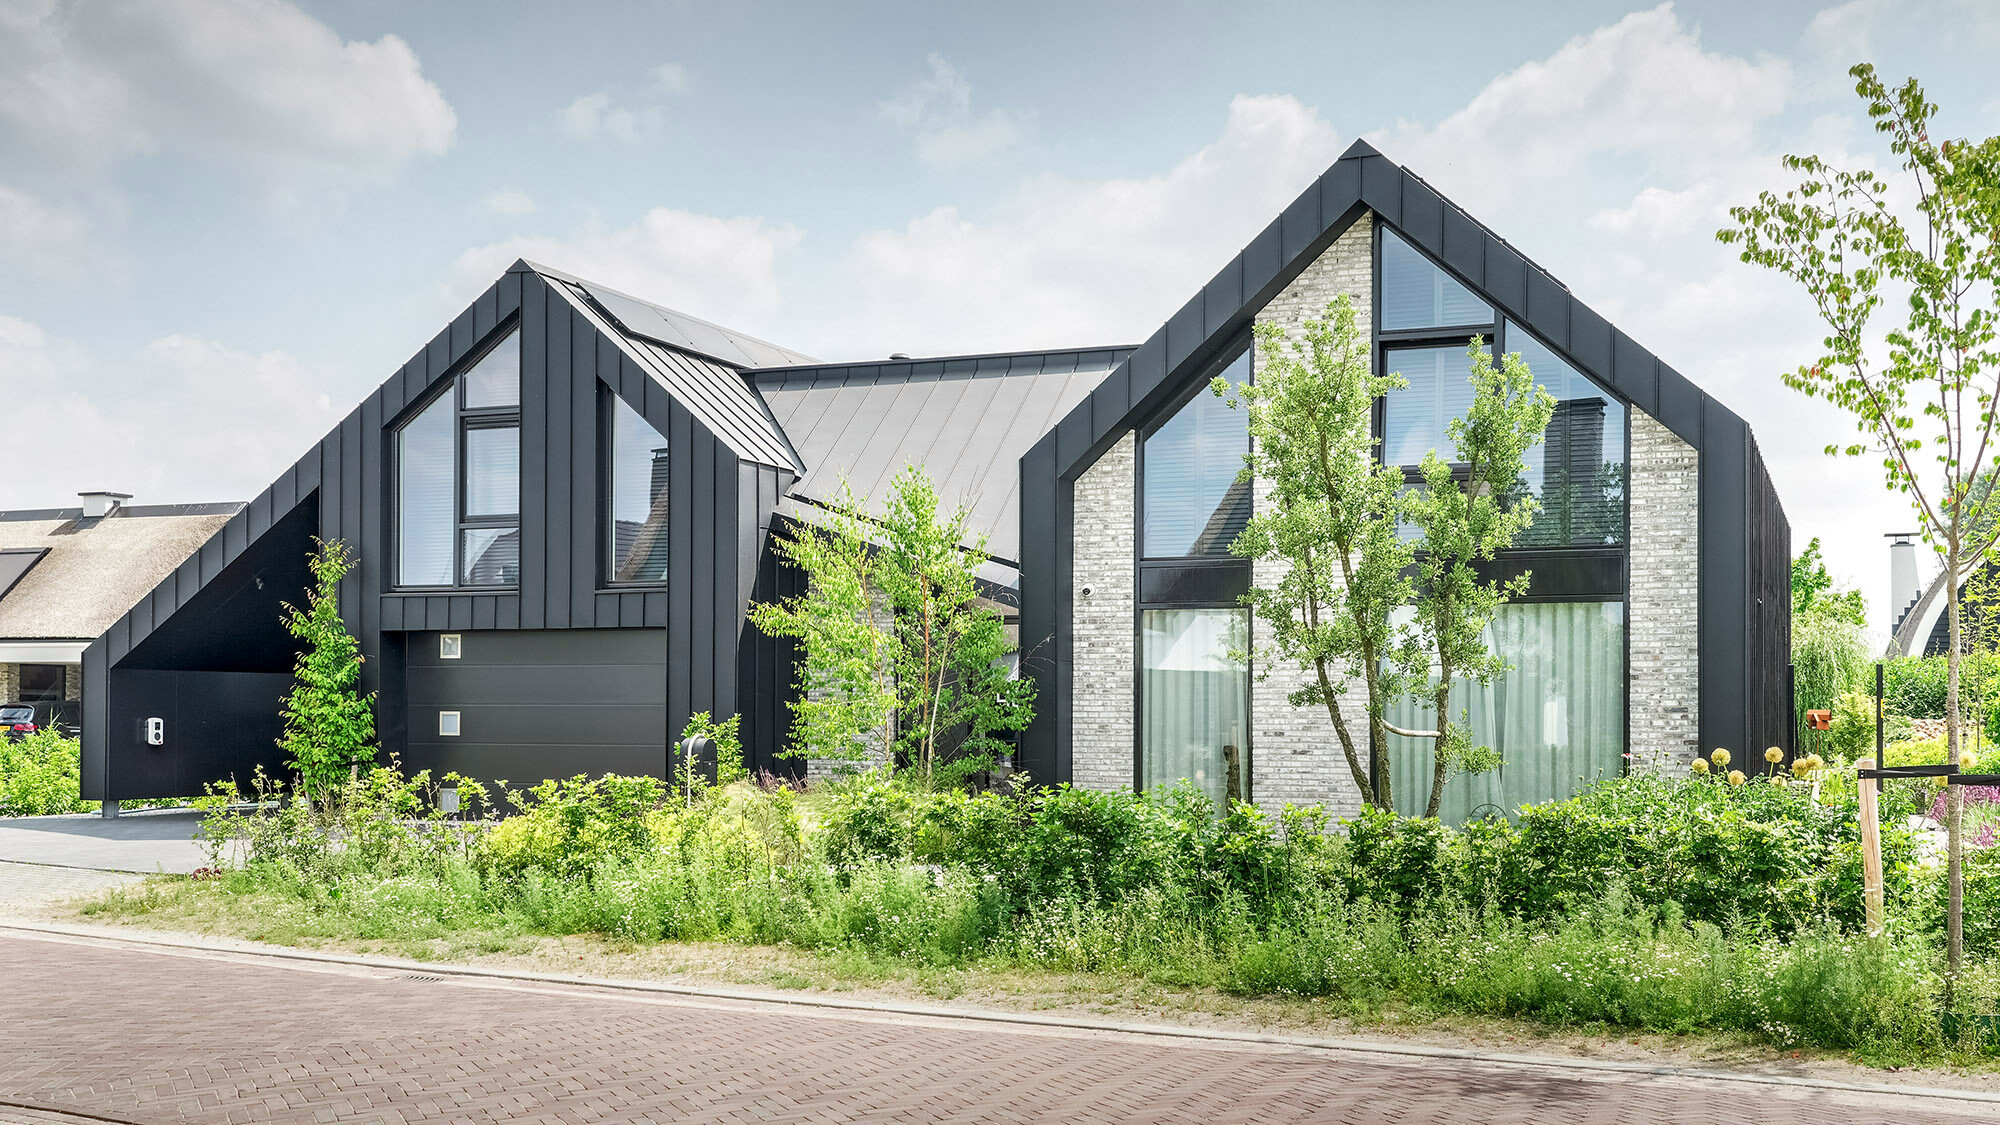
(564, 504)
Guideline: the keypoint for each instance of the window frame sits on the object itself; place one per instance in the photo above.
(1383, 341)
(608, 401)
(464, 419)
(1242, 344)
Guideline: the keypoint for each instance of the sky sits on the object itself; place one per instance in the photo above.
(223, 222)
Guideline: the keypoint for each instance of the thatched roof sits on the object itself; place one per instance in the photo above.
(94, 570)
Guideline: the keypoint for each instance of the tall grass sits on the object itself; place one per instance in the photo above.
(1404, 913)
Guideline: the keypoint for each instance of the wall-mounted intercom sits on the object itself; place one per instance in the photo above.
(156, 732)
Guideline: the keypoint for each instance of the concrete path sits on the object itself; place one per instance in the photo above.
(130, 1032)
(147, 841)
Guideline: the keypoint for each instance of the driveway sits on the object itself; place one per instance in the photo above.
(145, 842)
(128, 1033)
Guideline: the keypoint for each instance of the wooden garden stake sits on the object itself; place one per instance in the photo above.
(1871, 853)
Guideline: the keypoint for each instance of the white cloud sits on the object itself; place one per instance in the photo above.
(508, 201)
(1067, 262)
(1642, 88)
(184, 419)
(672, 77)
(51, 239)
(598, 114)
(256, 86)
(718, 269)
(593, 116)
(938, 109)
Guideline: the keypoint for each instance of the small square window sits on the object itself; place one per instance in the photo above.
(448, 647)
(448, 724)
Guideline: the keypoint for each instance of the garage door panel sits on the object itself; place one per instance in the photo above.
(577, 685)
(521, 724)
(553, 647)
(537, 704)
(527, 765)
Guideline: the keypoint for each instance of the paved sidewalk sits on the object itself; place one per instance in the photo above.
(145, 841)
(27, 886)
(159, 1036)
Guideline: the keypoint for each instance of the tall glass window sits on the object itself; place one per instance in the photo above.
(425, 483)
(1417, 294)
(1195, 694)
(458, 486)
(1414, 418)
(1556, 716)
(637, 497)
(1578, 472)
(1192, 500)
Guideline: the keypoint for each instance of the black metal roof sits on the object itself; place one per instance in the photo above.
(714, 392)
(678, 330)
(966, 419)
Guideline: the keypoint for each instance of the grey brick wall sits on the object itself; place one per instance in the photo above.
(1101, 718)
(10, 683)
(1295, 753)
(1663, 696)
(72, 682)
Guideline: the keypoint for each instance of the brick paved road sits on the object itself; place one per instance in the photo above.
(130, 1035)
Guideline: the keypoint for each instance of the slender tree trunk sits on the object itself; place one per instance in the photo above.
(1442, 703)
(1954, 801)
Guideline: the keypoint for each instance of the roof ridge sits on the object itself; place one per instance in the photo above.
(592, 288)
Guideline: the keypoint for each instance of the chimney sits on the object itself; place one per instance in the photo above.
(1904, 588)
(97, 505)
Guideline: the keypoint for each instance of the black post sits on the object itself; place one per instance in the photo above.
(1878, 714)
(1792, 709)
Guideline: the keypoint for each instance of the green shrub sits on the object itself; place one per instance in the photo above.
(1915, 686)
(40, 774)
(566, 827)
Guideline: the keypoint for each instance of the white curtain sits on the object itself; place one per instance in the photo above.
(1557, 715)
(1194, 698)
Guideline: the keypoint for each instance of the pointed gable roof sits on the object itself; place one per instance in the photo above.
(1362, 180)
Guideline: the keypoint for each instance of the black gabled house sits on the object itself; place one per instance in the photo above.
(563, 505)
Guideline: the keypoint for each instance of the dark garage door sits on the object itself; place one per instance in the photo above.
(537, 704)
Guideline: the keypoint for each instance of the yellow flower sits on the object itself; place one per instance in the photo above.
(1966, 758)
(1774, 755)
(1801, 767)
(1720, 757)
(1700, 765)
(1736, 777)
(1818, 762)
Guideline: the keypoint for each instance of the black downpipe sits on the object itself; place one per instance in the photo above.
(1792, 709)
(1878, 715)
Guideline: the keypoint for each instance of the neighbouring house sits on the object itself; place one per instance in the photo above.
(1918, 622)
(565, 502)
(66, 574)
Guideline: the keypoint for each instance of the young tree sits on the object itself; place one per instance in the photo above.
(1922, 392)
(1330, 524)
(897, 638)
(954, 687)
(847, 700)
(329, 727)
(1467, 510)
